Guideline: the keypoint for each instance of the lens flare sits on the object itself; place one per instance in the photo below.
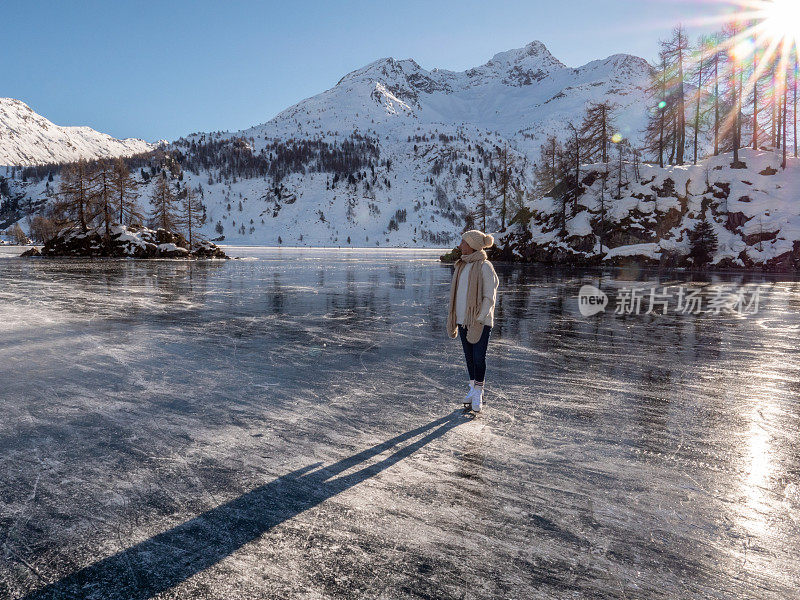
(743, 50)
(781, 19)
(616, 138)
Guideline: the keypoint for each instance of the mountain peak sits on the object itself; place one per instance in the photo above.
(28, 138)
(520, 66)
(534, 50)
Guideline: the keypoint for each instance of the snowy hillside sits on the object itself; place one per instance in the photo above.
(646, 218)
(393, 155)
(27, 138)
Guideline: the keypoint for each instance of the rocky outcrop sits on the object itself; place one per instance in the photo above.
(625, 216)
(126, 242)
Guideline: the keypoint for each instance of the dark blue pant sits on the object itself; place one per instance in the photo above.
(475, 353)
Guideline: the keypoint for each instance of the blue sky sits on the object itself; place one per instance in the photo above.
(164, 69)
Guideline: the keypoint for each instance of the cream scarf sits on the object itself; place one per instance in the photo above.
(474, 296)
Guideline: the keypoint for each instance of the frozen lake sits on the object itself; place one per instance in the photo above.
(289, 426)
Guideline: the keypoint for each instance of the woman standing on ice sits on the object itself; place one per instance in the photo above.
(471, 316)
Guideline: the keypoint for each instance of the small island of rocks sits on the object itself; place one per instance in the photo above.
(122, 241)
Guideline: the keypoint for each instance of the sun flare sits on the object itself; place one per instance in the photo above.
(781, 19)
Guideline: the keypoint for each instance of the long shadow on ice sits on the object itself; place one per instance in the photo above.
(167, 559)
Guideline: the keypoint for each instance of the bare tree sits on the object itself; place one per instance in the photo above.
(546, 168)
(165, 212)
(785, 86)
(192, 214)
(596, 130)
(505, 183)
(572, 153)
(716, 103)
(656, 125)
(126, 193)
(43, 228)
(102, 176)
(676, 50)
(75, 195)
(794, 112)
(702, 77)
(18, 235)
(484, 202)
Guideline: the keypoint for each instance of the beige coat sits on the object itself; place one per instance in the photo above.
(490, 284)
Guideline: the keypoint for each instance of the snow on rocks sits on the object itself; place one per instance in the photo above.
(126, 242)
(753, 212)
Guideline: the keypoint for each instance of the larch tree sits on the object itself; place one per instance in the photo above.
(623, 151)
(794, 80)
(596, 130)
(484, 202)
(785, 118)
(74, 204)
(102, 192)
(731, 31)
(676, 50)
(756, 67)
(549, 173)
(573, 156)
(546, 168)
(702, 75)
(716, 59)
(657, 120)
(504, 181)
(126, 193)
(164, 213)
(192, 213)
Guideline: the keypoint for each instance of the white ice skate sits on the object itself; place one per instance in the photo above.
(477, 399)
(468, 397)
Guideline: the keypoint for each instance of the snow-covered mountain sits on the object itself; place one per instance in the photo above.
(435, 133)
(27, 138)
(523, 95)
(395, 154)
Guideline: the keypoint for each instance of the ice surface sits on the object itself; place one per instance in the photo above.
(284, 426)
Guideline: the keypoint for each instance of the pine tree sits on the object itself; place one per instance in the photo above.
(165, 212)
(703, 243)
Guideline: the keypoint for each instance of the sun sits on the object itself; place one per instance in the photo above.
(781, 19)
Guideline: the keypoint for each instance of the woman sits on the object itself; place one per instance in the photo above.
(472, 297)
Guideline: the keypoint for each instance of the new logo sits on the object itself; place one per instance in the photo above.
(591, 300)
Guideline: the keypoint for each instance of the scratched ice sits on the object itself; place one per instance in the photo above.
(289, 426)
